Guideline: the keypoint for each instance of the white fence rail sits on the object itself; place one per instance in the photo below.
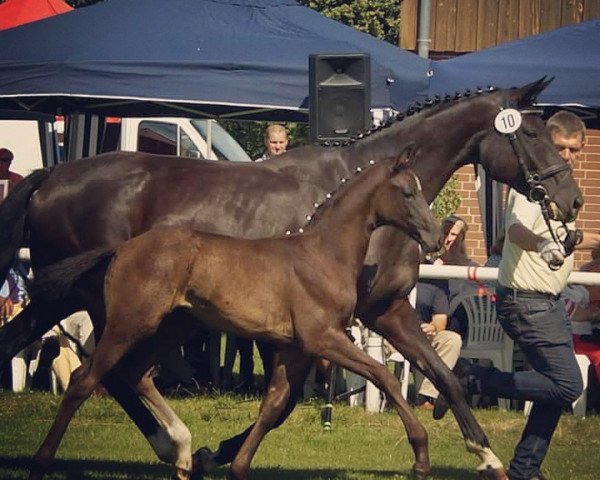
(445, 272)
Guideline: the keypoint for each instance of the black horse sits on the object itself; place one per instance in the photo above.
(128, 193)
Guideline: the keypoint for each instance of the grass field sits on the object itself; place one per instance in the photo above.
(101, 442)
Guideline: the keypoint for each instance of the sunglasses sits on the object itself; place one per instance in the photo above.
(6, 160)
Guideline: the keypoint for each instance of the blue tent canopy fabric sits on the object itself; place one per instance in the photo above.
(238, 58)
(570, 54)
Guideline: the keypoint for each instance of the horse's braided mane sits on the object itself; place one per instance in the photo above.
(429, 106)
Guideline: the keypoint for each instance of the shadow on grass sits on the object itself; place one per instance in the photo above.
(17, 468)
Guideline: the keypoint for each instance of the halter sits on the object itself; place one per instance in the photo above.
(508, 123)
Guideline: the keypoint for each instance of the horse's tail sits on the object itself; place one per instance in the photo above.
(13, 213)
(54, 282)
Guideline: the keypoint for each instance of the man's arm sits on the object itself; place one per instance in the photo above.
(524, 238)
(589, 241)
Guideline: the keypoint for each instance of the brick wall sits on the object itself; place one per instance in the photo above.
(587, 174)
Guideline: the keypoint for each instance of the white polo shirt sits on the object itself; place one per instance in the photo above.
(525, 270)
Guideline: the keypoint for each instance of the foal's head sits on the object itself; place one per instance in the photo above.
(400, 202)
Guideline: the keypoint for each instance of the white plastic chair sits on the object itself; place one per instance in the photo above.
(485, 338)
(579, 405)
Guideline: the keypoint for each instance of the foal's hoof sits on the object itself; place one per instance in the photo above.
(203, 461)
(493, 474)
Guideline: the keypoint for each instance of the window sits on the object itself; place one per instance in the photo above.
(157, 137)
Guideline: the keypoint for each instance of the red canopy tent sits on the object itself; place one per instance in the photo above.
(18, 12)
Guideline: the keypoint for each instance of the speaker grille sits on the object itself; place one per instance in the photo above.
(340, 97)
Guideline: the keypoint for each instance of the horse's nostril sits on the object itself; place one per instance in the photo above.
(578, 202)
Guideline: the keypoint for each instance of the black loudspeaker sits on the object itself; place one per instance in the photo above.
(340, 95)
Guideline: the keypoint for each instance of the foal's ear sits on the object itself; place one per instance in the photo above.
(527, 95)
(407, 155)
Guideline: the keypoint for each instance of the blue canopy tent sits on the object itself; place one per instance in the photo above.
(570, 54)
(215, 58)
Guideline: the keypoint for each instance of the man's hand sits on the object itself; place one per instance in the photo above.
(552, 253)
(6, 309)
(429, 330)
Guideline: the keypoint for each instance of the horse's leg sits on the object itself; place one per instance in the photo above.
(280, 399)
(83, 381)
(400, 326)
(291, 379)
(335, 346)
(173, 441)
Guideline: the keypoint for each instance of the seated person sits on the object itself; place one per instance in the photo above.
(454, 252)
(583, 307)
(432, 306)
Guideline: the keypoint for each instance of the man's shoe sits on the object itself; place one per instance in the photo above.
(462, 371)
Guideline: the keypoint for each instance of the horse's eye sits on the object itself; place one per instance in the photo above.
(408, 194)
(530, 133)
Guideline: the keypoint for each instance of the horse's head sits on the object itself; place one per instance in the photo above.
(401, 203)
(517, 150)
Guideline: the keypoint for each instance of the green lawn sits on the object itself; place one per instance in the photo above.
(101, 443)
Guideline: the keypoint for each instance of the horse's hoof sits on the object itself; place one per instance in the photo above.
(420, 472)
(203, 461)
(493, 474)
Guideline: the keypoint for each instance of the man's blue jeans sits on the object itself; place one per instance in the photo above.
(538, 323)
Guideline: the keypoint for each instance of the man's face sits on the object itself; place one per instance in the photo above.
(4, 165)
(569, 148)
(276, 143)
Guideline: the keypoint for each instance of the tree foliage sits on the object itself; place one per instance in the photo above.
(380, 18)
(448, 200)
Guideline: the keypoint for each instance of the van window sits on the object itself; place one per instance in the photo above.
(157, 137)
(187, 147)
(224, 145)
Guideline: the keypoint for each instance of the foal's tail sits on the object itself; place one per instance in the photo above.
(54, 282)
(13, 214)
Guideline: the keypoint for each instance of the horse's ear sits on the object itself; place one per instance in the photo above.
(527, 95)
(409, 152)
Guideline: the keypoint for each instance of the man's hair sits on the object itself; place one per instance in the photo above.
(275, 127)
(566, 123)
(6, 153)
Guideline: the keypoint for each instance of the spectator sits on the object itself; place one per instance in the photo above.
(6, 158)
(532, 274)
(583, 307)
(432, 306)
(276, 141)
(454, 252)
(12, 290)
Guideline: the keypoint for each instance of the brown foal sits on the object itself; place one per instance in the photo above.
(299, 290)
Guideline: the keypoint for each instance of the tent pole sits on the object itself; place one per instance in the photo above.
(424, 21)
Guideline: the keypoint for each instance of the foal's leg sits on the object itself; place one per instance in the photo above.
(83, 381)
(400, 326)
(290, 380)
(290, 371)
(335, 345)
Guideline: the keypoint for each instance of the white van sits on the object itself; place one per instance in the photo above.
(184, 137)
